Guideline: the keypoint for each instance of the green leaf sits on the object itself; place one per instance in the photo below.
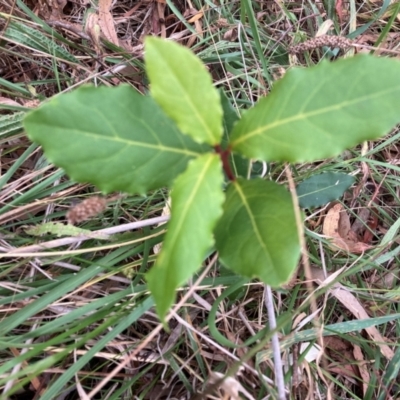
(257, 234)
(318, 112)
(230, 116)
(112, 137)
(320, 189)
(197, 199)
(182, 86)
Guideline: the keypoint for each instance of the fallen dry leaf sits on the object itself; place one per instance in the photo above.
(351, 303)
(5, 101)
(341, 354)
(372, 227)
(339, 9)
(161, 18)
(231, 35)
(344, 370)
(35, 382)
(51, 9)
(358, 226)
(194, 17)
(337, 228)
(230, 385)
(92, 28)
(106, 21)
(359, 356)
(355, 307)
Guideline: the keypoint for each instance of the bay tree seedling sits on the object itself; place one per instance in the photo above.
(120, 140)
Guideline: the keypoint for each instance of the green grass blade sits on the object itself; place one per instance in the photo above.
(20, 317)
(100, 344)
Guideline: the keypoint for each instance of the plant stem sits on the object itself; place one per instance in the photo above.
(224, 155)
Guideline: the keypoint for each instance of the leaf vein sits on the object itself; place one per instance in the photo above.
(307, 116)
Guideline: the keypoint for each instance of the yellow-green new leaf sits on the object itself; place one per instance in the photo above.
(197, 199)
(182, 86)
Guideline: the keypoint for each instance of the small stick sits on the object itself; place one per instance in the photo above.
(101, 232)
(279, 379)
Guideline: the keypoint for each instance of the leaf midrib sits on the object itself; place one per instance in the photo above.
(192, 106)
(134, 143)
(188, 204)
(304, 116)
(252, 219)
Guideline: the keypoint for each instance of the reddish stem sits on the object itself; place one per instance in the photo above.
(224, 155)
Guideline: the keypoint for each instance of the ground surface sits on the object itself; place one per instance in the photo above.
(76, 320)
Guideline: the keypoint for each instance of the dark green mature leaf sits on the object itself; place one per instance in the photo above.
(320, 189)
(257, 234)
(114, 138)
(317, 112)
(230, 116)
(197, 199)
(183, 87)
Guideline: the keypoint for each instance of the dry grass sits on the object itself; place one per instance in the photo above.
(76, 320)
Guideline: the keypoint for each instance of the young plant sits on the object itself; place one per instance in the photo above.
(121, 140)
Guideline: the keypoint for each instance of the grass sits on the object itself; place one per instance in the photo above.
(76, 320)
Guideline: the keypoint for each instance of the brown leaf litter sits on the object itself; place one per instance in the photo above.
(352, 304)
(338, 229)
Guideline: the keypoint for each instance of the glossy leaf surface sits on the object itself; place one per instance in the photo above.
(112, 137)
(257, 234)
(197, 199)
(318, 112)
(183, 87)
